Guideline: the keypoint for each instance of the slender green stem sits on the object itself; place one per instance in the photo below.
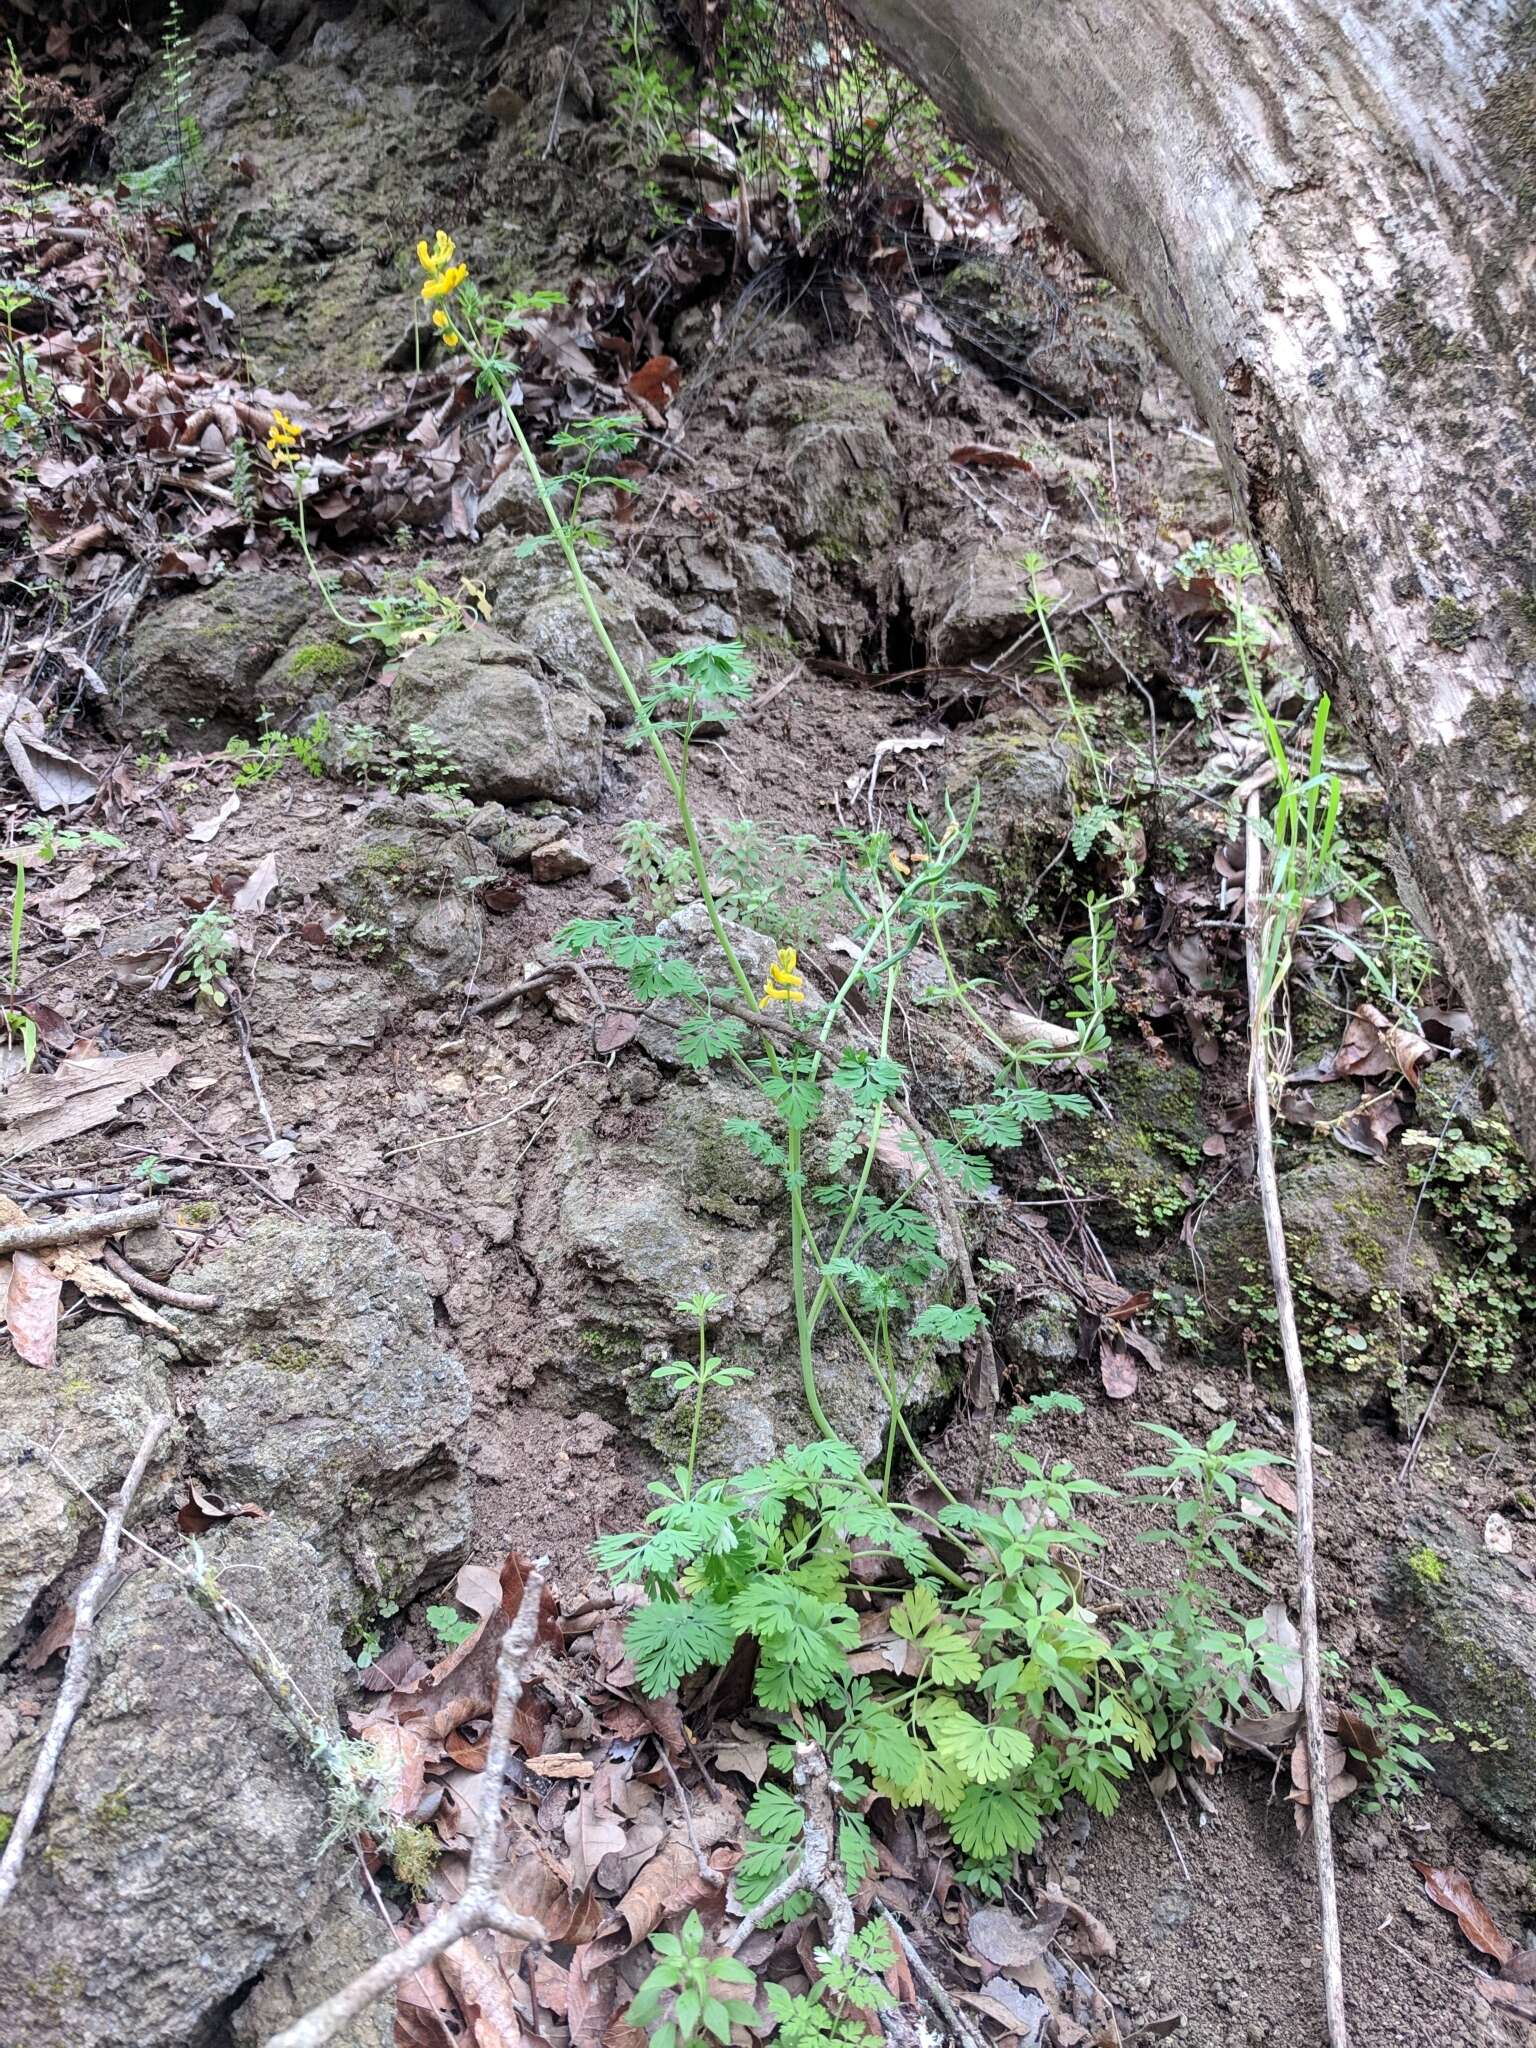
(310, 563)
(698, 1408)
(797, 1235)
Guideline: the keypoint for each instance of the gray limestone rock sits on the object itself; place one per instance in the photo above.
(182, 1843)
(326, 1397)
(91, 1410)
(407, 884)
(514, 733)
(257, 641)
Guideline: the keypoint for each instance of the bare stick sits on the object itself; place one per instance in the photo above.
(1301, 1432)
(479, 1907)
(243, 1034)
(707, 1871)
(818, 1859)
(77, 1671)
(152, 1290)
(51, 1231)
(944, 2005)
(502, 998)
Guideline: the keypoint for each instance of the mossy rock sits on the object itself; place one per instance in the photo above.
(1139, 1165)
(410, 876)
(1366, 1262)
(214, 661)
(1069, 357)
(1468, 1650)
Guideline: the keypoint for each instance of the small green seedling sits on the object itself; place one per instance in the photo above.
(449, 1626)
(699, 1993)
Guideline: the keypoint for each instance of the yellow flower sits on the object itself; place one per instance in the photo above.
(445, 282)
(785, 983)
(445, 328)
(438, 257)
(283, 439)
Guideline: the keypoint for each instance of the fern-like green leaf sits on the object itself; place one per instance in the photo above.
(671, 1638)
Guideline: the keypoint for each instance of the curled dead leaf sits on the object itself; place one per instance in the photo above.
(1452, 1893)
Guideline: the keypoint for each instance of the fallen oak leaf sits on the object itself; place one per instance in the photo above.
(32, 1292)
(402, 1758)
(1007, 1941)
(1453, 1893)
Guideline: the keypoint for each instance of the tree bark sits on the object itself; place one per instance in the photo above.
(1326, 209)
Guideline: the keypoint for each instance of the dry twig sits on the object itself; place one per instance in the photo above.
(818, 1870)
(943, 2004)
(77, 1671)
(154, 1290)
(480, 1906)
(1301, 1432)
(51, 1231)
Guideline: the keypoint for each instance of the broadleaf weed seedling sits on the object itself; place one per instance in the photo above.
(208, 950)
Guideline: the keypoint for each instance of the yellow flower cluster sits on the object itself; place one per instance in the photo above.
(785, 983)
(442, 280)
(283, 440)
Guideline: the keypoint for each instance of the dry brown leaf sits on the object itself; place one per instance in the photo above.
(1117, 1367)
(202, 1510)
(671, 1883)
(484, 1995)
(205, 830)
(1453, 1893)
(656, 382)
(251, 896)
(1275, 1487)
(1089, 1934)
(1284, 1673)
(32, 1291)
(55, 1637)
(1341, 1780)
(514, 1576)
(1509, 1992)
(980, 455)
(402, 1755)
(592, 1830)
(1007, 1941)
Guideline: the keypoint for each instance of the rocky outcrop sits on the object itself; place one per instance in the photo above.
(513, 732)
(651, 1198)
(180, 1848)
(1468, 1650)
(325, 1397)
(406, 886)
(256, 643)
(91, 1412)
(183, 1849)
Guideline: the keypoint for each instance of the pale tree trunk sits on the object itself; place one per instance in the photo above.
(1326, 212)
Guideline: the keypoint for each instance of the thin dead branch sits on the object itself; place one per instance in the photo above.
(155, 1290)
(79, 1228)
(1301, 1431)
(942, 2003)
(480, 1906)
(818, 1870)
(77, 1671)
